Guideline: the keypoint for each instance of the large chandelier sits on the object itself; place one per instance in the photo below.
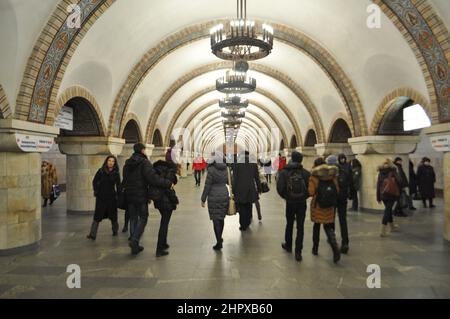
(233, 102)
(236, 82)
(241, 39)
(235, 114)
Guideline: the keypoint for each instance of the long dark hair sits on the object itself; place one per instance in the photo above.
(105, 164)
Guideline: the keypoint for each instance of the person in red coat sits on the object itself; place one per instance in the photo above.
(198, 166)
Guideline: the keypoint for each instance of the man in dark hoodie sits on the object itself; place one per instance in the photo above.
(138, 176)
(398, 211)
(292, 185)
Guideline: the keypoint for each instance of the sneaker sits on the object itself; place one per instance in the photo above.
(286, 247)
(218, 246)
(161, 253)
(298, 256)
(135, 248)
(344, 249)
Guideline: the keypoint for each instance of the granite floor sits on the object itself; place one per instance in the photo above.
(415, 263)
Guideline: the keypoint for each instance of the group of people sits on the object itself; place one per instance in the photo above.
(268, 168)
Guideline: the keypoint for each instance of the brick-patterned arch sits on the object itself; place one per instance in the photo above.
(5, 110)
(79, 91)
(390, 98)
(48, 60)
(283, 33)
(210, 89)
(428, 38)
(132, 116)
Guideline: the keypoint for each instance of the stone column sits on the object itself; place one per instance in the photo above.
(309, 155)
(85, 155)
(20, 183)
(371, 151)
(440, 135)
(159, 153)
(128, 150)
(327, 149)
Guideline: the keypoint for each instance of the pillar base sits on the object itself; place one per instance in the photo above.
(19, 250)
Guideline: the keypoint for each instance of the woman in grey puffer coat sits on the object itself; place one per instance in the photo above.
(216, 192)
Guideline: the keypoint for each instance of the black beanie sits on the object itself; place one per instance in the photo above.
(297, 157)
(398, 159)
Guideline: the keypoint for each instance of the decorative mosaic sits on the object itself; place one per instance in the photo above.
(53, 59)
(431, 50)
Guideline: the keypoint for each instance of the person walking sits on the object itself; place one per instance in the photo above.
(345, 182)
(398, 211)
(246, 187)
(267, 167)
(426, 178)
(49, 177)
(198, 167)
(292, 186)
(388, 191)
(356, 185)
(165, 204)
(138, 176)
(106, 185)
(215, 193)
(412, 185)
(324, 188)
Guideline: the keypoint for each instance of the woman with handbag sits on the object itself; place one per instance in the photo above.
(216, 193)
(106, 185)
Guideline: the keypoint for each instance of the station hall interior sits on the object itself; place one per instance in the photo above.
(81, 80)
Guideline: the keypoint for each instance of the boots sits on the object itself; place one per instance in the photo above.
(315, 249)
(115, 228)
(384, 231)
(93, 234)
(333, 243)
(393, 227)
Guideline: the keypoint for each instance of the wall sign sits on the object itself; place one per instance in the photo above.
(65, 119)
(441, 143)
(34, 143)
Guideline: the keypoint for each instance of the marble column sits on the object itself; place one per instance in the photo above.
(371, 151)
(85, 155)
(441, 134)
(309, 155)
(20, 183)
(327, 149)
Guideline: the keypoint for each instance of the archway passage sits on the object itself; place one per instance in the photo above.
(311, 138)
(131, 133)
(85, 119)
(293, 143)
(340, 132)
(392, 122)
(157, 138)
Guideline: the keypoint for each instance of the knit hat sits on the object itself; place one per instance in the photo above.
(332, 160)
(297, 157)
(397, 159)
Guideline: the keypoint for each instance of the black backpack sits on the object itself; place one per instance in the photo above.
(296, 186)
(327, 194)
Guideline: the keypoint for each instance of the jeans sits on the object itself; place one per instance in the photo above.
(295, 212)
(138, 219)
(387, 217)
(342, 214)
(245, 214)
(163, 229)
(198, 177)
(329, 231)
(218, 225)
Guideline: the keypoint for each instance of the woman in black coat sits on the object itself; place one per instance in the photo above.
(246, 187)
(426, 178)
(216, 193)
(106, 185)
(165, 204)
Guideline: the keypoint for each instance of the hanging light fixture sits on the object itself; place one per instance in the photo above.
(233, 114)
(233, 102)
(241, 39)
(236, 82)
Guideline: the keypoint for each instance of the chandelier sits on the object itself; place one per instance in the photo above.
(233, 102)
(236, 82)
(232, 123)
(241, 39)
(233, 115)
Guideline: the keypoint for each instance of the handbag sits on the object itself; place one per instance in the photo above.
(56, 191)
(232, 205)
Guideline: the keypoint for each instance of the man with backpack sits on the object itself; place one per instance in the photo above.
(138, 176)
(323, 188)
(292, 185)
(345, 182)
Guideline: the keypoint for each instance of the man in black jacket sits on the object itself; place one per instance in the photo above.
(138, 176)
(398, 211)
(292, 185)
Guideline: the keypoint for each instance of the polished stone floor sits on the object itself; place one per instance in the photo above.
(415, 263)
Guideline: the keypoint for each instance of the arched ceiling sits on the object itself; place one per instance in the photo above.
(375, 61)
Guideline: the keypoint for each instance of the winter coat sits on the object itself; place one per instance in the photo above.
(138, 175)
(198, 164)
(345, 181)
(282, 182)
(48, 179)
(216, 191)
(426, 178)
(356, 178)
(412, 180)
(383, 172)
(246, 182)
(169, 199)
(321, 173)
(403, 179)
(106, 185)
